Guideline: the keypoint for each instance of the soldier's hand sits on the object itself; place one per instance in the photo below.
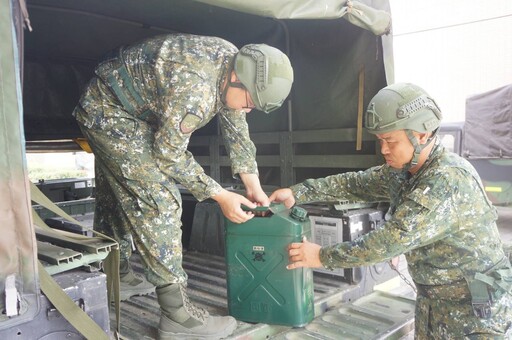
(259, 197)
(231, 206)
(254, 191)
(284, 196)
(304, 254)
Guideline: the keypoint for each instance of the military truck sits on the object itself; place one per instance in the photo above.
(488, 113)
(341, 51)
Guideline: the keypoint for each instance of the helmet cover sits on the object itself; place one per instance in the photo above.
(266, 73)
(402, 106)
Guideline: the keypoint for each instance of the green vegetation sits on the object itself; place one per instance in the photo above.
(46, 173)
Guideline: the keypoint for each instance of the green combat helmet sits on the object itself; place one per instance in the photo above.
(266, 73)
(407, 107)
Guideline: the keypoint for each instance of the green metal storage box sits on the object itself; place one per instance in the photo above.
(260, 288)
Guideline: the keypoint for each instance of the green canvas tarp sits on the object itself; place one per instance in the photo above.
(489, 114)
(18, 270)
(327, 52)
(370, 18)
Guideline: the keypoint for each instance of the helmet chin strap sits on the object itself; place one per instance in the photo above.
(417, 148)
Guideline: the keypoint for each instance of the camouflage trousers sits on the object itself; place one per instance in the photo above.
(135, 201)
(443, 319)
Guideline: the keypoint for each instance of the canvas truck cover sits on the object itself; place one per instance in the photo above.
(326, 49)
(18, 270)
(370, 18)
(489, 114)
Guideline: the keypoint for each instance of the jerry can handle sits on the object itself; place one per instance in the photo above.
(273, 208)
(257, 209)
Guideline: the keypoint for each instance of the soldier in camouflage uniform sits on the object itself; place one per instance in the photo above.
(439, 217)
(138, 114)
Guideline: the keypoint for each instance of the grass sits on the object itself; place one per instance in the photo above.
(46, 173)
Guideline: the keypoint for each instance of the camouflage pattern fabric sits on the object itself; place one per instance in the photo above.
(441, 219)
(138, 115)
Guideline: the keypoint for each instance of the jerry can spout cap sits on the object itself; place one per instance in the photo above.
(298, 213)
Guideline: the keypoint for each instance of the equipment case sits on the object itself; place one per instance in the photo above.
(69, 189)
(87, 290)
(335, 226)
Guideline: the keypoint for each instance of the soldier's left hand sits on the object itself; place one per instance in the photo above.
(304, 254)
(284, 195)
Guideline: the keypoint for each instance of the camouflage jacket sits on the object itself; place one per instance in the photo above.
(173, 83)
(440, 218)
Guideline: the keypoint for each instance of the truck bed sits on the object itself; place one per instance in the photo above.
(340, 311)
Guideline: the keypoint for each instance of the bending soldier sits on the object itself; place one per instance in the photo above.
(138, 114)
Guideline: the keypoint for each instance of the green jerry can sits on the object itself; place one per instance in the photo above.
(260, 288)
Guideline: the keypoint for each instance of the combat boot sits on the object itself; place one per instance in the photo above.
(131, 283)
(180, 319)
